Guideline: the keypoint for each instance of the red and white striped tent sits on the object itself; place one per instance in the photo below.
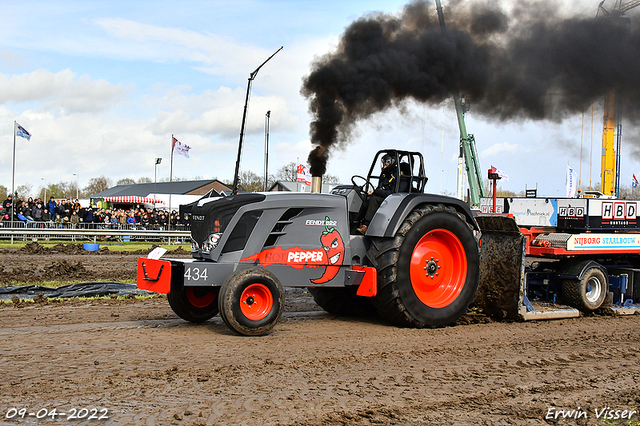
(131, 199)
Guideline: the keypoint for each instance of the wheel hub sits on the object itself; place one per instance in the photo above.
(434, 286)
(256, 301)
(432, 267)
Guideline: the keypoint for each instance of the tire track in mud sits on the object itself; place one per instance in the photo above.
(313, 370)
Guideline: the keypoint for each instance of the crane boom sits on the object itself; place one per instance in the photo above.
(467, 141)
(609, 152)
(612, 121)
(618, 9)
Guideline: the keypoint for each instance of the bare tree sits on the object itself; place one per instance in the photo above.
(97, 184)
(126, 181)
(145, 179)
(55, 191)
(251, 182)
(23, 190)
(629, 192)
(334, 180)
(288, 172)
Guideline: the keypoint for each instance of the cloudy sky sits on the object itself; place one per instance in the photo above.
(102, 86)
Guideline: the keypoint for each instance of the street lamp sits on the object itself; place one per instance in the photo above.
(266, 148)
(77, 185)
(44, 186)
(155, 179)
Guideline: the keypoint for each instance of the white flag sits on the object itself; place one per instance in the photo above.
(572, 182)
(22, 132)
(180, 148)
(304, 175)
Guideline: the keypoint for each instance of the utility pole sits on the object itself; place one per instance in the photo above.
(266, 148)
(155, 179)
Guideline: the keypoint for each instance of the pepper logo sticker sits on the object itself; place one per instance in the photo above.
(333, 246)
(330, 255)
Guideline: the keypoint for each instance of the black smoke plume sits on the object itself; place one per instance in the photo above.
(524, 63)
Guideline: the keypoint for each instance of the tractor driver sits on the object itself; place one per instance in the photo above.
(386, 185)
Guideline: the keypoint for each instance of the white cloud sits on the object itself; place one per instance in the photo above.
(174, 44)
(501, 148)
(219, 113)
(62, 90)
(12, 59)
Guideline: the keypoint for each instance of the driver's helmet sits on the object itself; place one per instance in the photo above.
(387, 160)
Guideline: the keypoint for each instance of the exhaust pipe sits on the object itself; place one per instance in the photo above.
(316, 184)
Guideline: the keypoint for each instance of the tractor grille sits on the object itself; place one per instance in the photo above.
(279, 227)
(241, 232)
(213, 217)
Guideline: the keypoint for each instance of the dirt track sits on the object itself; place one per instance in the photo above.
(146, 367)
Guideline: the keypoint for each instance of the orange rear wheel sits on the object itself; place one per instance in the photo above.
(438, 268)
(428, 272)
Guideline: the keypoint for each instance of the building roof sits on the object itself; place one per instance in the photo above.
(282, 185)
(184, 187)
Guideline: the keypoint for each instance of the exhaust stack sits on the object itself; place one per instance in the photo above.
(316, 184)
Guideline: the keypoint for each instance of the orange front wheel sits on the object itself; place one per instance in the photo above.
(251, 301)
(256, 302)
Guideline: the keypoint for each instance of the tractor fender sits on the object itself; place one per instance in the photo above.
(578, 269)
(396, 207)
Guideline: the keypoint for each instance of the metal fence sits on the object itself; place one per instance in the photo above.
(17, 224)
(45, 231)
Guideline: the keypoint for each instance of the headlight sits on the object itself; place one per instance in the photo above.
(211, 242)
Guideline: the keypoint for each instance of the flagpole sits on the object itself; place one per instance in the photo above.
(13, 174)
(171, 172)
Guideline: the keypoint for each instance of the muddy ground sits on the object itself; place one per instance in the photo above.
(137, 363)
(69, 262)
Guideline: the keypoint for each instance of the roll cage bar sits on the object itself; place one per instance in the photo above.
(409, 169)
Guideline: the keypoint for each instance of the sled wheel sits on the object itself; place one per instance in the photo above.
(428, 273)
(194, 304)
(586, 294)
(251, 301)
(343, 301)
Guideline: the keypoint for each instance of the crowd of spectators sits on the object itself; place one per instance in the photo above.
(70, 214)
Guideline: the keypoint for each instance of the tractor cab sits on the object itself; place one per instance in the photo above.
(409, 168)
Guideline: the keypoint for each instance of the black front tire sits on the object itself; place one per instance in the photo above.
(428, 273)
(251, 301)
(194, 304)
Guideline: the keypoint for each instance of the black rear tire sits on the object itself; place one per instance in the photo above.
(428, 273)
(587, 294)
(194, 304)
(343, 301)
(251, 301)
